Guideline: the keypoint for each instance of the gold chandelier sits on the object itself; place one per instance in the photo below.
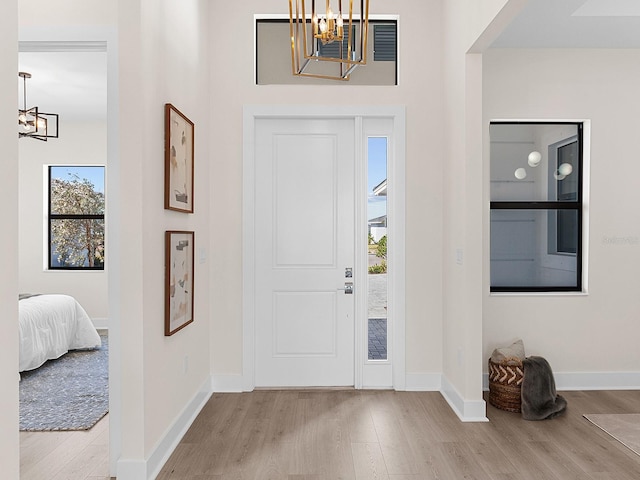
(308, 39)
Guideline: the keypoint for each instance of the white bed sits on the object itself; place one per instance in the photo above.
(50, 326)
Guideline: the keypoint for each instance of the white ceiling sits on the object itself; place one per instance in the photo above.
(574, 24)
(71, 80)
(72, 84)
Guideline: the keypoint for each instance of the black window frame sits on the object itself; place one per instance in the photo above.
(51, 217)
(557, 205)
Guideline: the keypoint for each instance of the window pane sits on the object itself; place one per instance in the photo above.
(332, 50)
(273, 57)
(534, 162)
(77, 243)
(377, 231)
(384, 43)
(525, 249)
(76, 217)
(77, 190)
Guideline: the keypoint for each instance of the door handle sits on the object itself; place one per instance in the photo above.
(348, 288)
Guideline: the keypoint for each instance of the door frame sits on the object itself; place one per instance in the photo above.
(396, 229)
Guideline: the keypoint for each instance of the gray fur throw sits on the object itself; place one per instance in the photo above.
(538, 395)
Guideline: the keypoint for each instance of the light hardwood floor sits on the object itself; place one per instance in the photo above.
(369, 435)
(80, 455)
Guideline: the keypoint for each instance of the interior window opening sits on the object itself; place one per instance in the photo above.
(536, 206)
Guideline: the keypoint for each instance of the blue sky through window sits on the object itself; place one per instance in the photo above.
(377, 167)
(95, 174)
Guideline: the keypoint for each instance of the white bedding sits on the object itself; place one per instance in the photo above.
(50, 326)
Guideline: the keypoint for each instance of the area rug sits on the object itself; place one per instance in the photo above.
(624, 427)
(69, 393)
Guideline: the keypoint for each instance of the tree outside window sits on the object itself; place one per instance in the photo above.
(76, 217)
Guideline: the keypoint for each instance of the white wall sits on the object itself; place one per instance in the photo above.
(419, 89)
(162, 59)
(465, 23)
(596, 333)
(67, 13)
(83, 144)
(9, 440)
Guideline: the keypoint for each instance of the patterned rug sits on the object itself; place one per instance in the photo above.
(69, 393)
(624, 427)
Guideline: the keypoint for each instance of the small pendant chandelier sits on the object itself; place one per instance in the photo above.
(33, 123)
(309, 38)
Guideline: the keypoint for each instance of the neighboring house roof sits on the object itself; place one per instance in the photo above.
(380, 190)
(382, 221)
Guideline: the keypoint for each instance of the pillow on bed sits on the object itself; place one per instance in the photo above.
(511, 355)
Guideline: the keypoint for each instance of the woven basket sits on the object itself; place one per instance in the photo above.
(505, 384)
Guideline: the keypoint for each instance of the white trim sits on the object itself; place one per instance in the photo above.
(396, 208)
(62, 46)
(150, 468)
(586, 182)
(397, 171)
(466, 410)
(589, 381)
(132, 469)
(172, 436)
(360, 262)
(375, 375)
(101, 323)
(597, 380)
(248, 249)
(423, 382)
(228, 384)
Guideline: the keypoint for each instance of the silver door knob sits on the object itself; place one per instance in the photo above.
(348, 288)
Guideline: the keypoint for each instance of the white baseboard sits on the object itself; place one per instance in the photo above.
(589, 380)
(227, 383)
(467, 411)
(423, 382)
(100, 323)
(167, 444)
(132, 469)
(597, 381)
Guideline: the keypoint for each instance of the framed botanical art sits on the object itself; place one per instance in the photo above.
(179, 249)
(178, 160)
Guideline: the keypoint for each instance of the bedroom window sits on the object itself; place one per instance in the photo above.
(536, 206)
(76, 218)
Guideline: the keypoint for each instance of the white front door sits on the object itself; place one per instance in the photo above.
(304, 244)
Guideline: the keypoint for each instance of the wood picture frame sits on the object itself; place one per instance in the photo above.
(179, 272)
(178, 160)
